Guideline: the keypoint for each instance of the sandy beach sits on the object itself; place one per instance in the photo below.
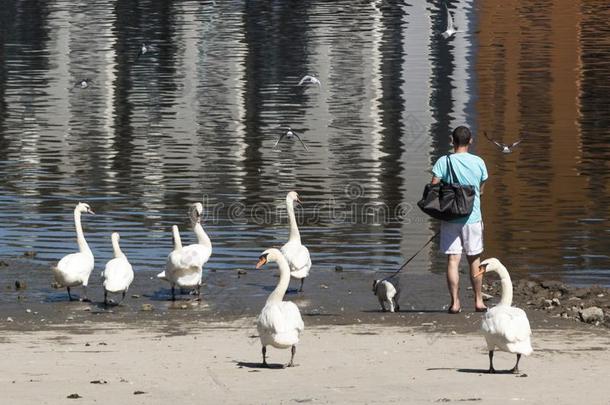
(149, 350)
(209, 363)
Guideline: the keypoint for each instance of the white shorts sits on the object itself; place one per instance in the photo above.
(458, 238)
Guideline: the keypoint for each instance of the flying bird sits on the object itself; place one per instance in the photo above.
(451, 29)
(290, 134)
(144, 49)
(504, 148)
(83, 84)
(307, 79)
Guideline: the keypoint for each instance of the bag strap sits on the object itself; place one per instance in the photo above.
(452, 175)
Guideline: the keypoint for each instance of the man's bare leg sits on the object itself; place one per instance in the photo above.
(474, 262)
(453, 281)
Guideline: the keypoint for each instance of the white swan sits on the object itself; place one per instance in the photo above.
(279, 324)
(184, 266)
(74, 269)
(296, 254)
(118, 273)
(505, 327)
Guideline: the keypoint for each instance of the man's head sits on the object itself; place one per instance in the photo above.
(461, 136)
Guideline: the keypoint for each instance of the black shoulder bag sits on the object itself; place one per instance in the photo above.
(447, 201)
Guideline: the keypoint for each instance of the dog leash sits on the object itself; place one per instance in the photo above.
(416, 253)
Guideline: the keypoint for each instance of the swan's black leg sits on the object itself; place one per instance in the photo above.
(265, 357)
(123, 299)
(173, 293)
(516, 368)
(105, 298)
(69, 295)
(491, 363)
(302, 281)
(396, 306)
(293, 350)
(199, 292)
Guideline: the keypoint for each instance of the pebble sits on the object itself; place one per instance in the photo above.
(20, 285)
(242, 272)
(146, 307)
(74, 396)
(592, 315)
(135, 295)
(486, 297)
(323, 286)
(9, 319)
(29, 311)
(338, 269)
(556, 301)
(29, 253)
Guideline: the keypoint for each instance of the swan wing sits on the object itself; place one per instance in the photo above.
(282, 322)
(194, 256)
(118, 275)
(297, 256)
(508, 322)
(74, 268)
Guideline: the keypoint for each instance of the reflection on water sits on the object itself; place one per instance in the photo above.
(196, 119)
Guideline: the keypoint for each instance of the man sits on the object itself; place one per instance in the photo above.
(463, 234)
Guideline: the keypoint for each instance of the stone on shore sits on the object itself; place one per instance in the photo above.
(592, 315)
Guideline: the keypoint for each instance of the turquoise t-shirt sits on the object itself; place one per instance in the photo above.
(469, 170)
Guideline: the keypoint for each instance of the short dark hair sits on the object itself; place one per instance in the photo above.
(461, 136)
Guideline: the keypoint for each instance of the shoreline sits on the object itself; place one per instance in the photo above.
(330, 298)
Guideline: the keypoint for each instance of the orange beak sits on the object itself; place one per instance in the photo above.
(481, 272)
(261, 262)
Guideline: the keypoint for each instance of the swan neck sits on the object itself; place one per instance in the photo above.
(294, 234)
(280, 290)
(202, 237)
(507, 287)
(116, 248)
(176, 238)
(80, 236)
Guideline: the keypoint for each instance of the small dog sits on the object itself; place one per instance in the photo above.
(387, 291)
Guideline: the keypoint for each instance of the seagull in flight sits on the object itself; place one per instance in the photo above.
(290, 134)
(504, 148)
(451, 29)
(144, 49)
(83, 84)
(307, 79)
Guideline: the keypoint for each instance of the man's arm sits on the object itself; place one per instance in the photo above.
(482, 187)
(435, 180)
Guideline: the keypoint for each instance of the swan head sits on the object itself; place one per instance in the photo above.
(196, 212)
(269, 255)
(292, 196)
(375, 284)
(115, 237)
(491, 264)
(84, 207)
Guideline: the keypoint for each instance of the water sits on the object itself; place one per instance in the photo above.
(196, 120)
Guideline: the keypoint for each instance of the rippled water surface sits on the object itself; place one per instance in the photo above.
(196, 119)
